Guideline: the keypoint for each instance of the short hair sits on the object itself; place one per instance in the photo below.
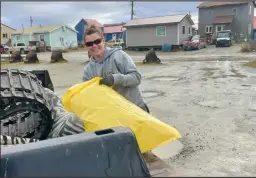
(93, 29)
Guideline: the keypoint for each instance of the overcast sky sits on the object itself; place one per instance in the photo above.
(14, 14)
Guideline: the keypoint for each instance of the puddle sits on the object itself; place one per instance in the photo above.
(246, 85)
(164, 78)
(207, 69)
(152, 94)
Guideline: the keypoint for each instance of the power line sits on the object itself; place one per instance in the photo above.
(163, 10)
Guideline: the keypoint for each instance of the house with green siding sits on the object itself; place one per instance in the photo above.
(52, 36)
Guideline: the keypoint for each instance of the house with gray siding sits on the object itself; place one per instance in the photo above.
(51, 36)
(156, 31)
(234, 16)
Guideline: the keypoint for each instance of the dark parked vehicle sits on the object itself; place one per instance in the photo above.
(224, 38)
(1, 49)
(196, 42)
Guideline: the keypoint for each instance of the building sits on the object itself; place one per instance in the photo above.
(52, 36)
(81, 28)
(234, 16)
(194, 31)
(156, 31)
(6, 33)
(114, 31)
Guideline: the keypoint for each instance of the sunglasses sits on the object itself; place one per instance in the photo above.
(98, 41)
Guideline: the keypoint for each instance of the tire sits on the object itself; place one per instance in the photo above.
(33, 113)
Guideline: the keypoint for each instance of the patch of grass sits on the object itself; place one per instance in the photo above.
(250, 64)
(248, 47)
(245, 47)
(5, 62)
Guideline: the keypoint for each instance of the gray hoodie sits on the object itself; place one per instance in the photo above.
(126, 77)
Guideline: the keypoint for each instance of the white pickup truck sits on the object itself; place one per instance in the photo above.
(21, 47)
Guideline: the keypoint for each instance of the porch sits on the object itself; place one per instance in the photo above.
(222, 23)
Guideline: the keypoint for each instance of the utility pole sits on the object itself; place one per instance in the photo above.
(31, 21)
(132, 12)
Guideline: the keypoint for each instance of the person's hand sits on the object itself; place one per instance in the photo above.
(108, 80)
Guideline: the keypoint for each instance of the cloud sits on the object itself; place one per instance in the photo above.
(5, 20)
(194, 17)
(16, 14)
(69, 13)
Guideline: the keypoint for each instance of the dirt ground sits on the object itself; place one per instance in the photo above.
(210, 100)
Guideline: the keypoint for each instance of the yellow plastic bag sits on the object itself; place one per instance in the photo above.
(100, 107)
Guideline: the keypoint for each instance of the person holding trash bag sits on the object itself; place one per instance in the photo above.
(116, 67)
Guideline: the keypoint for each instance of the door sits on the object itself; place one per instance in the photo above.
(113, 36)
(219, 28)
(62, 41)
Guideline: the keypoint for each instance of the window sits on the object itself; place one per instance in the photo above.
(161, 31)
(18, 38)
(189, 30)
(20, 44)
(5, 35)
(41, 37)
(234, 10)
(208, 29)
(250, 9)
(210, 12)
(219, 28)
(183, 30)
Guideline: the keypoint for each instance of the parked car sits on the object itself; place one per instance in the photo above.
(224, 38)
(22, 48)
(196, 42)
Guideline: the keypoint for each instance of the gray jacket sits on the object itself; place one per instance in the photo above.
(126, 77)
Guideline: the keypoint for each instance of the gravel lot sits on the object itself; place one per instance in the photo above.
(207, 95)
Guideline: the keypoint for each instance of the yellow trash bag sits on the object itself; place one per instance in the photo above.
(101, 107)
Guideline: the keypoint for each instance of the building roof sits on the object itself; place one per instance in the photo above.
(40, 29)
(223, 19)
(114, 29)
(254, 22)
(157, 20)
(113, 24)
(93, 21)
(214, 4)
(8, 26)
